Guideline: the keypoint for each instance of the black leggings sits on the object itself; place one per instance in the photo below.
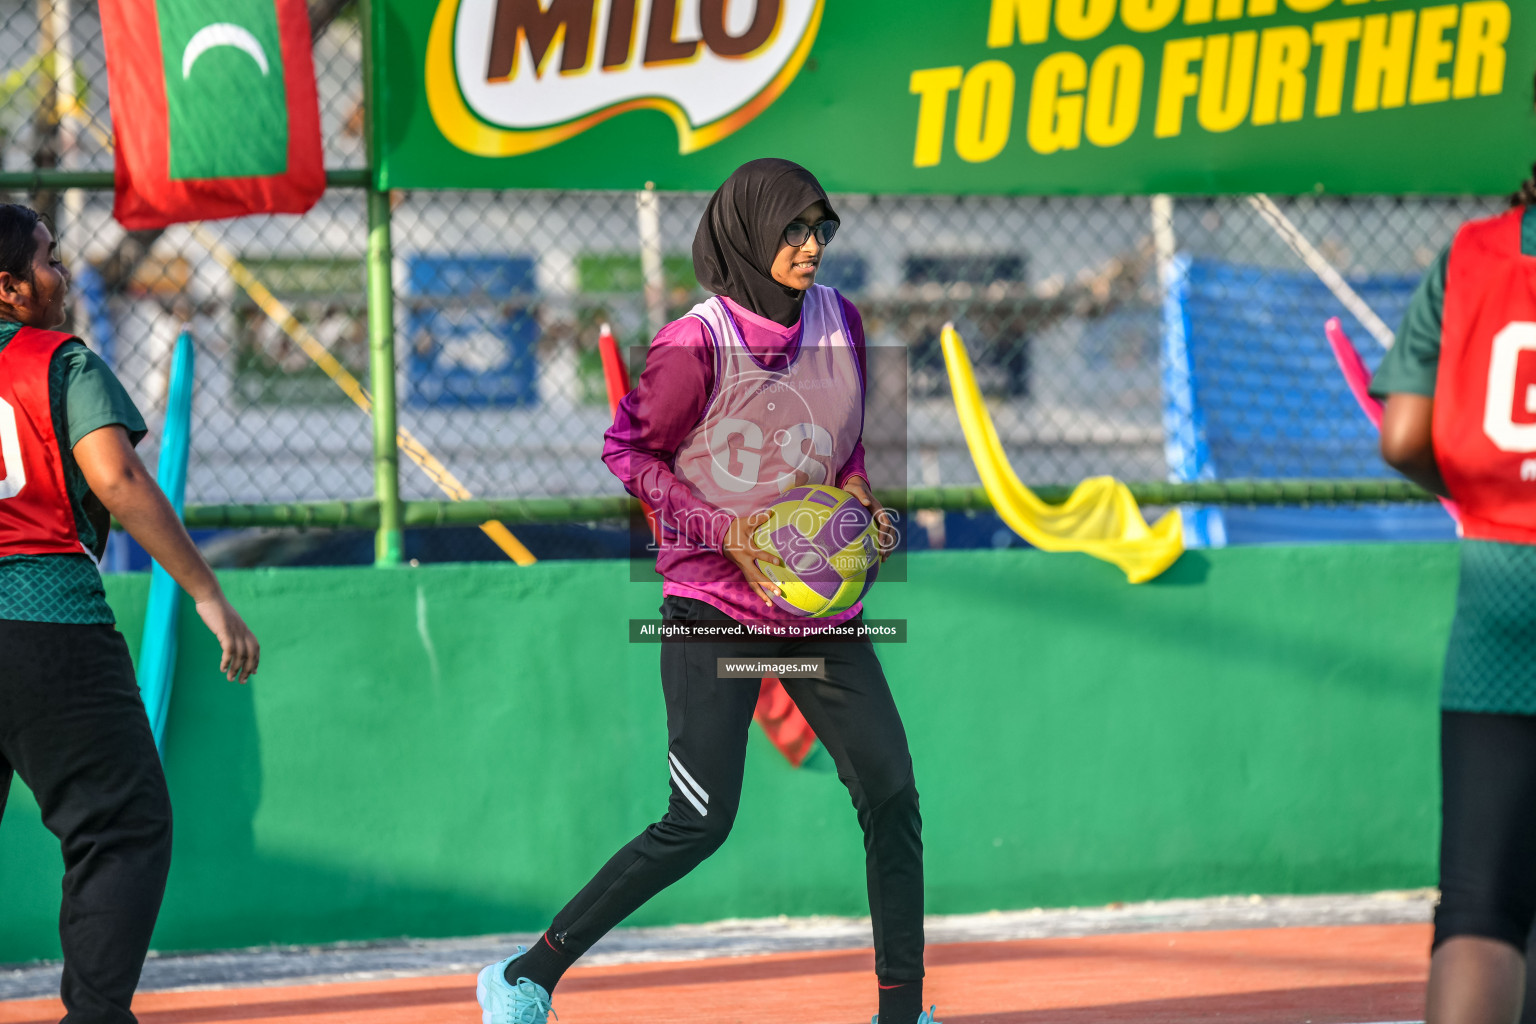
(707, 722)
(73, 727)
(1488, 833)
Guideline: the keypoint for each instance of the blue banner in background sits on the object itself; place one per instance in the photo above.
(470, 331)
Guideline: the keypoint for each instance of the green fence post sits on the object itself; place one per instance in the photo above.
(381, 318)
(381, 376)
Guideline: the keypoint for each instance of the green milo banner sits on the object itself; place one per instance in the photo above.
(959, 96)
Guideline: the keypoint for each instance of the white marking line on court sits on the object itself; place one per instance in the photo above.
(406, 958)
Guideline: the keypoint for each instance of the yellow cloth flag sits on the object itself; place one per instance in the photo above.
(1100, 518)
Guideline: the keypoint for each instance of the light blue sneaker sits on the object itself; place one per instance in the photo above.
(504, 1003)
(926, 1017)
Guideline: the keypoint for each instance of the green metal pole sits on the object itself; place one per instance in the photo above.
(365, 514)
(39, 178)
(381, 376)
(381, 318)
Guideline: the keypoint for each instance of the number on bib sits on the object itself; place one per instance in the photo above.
(1499, 407)
(15, 472)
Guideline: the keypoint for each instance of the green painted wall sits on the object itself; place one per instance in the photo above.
(453, 750)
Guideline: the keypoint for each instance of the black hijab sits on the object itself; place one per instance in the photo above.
(743, 228)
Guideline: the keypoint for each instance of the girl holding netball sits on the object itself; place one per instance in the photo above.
(757, 390)
(1460, 420)
(72, 724)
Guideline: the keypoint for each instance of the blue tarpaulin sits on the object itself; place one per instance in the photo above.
(1251, 390)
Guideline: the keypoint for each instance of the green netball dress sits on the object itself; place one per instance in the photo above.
(1489, 664)
(84, 396)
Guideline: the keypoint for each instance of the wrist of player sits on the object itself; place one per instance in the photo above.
(203, 587)
(746, 557)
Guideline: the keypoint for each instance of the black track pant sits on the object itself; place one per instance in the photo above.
(73, 727)
(707, 722)
(1488, 833)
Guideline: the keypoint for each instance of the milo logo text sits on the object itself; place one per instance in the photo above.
(506, 77)
(522, 25)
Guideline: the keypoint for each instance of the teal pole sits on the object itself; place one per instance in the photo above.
(381, 375)
(157, 648)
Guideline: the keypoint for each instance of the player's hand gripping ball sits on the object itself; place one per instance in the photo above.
(829, 544)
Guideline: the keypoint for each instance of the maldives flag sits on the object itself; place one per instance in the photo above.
(214, 108)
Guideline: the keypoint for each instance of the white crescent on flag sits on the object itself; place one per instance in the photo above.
(221, 33)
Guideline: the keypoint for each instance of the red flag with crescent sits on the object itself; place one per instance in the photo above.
(214, 109)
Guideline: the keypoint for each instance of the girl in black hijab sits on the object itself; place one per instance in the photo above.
(741, 235)
(757, 391)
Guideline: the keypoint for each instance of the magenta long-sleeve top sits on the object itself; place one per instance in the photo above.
(654, 420)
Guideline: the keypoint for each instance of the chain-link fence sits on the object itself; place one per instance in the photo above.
(267, 426)
(1108, 335)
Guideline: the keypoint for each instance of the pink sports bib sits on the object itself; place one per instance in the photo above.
(769, 428)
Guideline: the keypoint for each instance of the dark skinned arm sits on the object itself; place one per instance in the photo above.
(738, 547)
(887, 536)
(118, 478)
(1406, 440)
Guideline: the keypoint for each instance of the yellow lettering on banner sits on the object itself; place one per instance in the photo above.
(986, 111)
(1031, 19)
(1307, 6)
(933, 85)
(1431, 52)
(1226, 80)
(1480, 57)
(1114, 95)
(1176, 85)
(1333, 38)
(1381, 70)
(1260, 8)
(1083, 19)
(1198, 12)
(1280, 87)
(1056, 119)
(1148, 15)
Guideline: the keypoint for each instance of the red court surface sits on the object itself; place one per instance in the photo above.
(1334, 975)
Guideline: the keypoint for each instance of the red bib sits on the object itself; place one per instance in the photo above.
(36, 517)
(1485, 391)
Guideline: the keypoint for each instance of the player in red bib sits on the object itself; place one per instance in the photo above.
(1460, 420)
(72, 724)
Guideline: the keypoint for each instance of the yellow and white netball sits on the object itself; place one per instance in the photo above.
(829, 545)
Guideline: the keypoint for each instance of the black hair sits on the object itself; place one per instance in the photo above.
(17, 246)
(1525, 195)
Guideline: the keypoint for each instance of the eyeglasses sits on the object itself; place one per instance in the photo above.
(796, 234)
